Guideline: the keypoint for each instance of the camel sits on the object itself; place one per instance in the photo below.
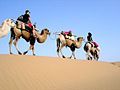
(9, 25)
(5, 27)
(62, 42)
(92, 52)
(17, 33)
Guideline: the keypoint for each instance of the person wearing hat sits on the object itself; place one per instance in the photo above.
(27, 22)
(24, 20)
(26, 17)
(90, 40)
(89, 37)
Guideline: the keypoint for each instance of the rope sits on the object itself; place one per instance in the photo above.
(55, 33)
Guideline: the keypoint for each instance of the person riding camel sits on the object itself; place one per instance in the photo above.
(25, 22)
(90, 40)
(89, 37)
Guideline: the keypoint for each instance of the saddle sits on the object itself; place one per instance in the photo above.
(93, 44)
(23, 26)
(28, 28)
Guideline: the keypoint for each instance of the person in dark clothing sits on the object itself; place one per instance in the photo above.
(26, 17)
(27, 22)
(90, 40)
(23, 21)
(89, 37)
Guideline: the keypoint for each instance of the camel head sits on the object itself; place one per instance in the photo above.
(10, 22)
(46, 31)
(80, 39)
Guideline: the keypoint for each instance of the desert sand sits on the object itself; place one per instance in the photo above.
(51, 73)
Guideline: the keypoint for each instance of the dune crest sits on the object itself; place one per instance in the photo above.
(50, 73)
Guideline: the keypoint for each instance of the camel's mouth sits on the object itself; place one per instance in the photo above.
(49, 33)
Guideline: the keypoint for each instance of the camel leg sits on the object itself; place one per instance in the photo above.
(33, 51)
(73, 53)
(88, 55)
(27, 51)
(58, 52)
(70, 56)
(58, 47)
(15, 43)
(10, 44)
(61, 50)
(30, 48)
(72, 48)
(96, 55)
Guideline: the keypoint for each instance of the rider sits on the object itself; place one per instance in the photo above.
(26, 21)
(90, 40)
(89, 37)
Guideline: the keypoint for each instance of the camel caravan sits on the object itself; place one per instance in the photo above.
(27, 31)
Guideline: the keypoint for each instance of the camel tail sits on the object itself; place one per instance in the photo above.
(58, 44)
(12, 33)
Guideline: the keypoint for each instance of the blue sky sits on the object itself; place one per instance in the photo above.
(100, 17)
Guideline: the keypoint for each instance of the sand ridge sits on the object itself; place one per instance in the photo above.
(51, 73)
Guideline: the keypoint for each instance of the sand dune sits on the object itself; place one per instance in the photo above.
(116, 63)
(50, 73)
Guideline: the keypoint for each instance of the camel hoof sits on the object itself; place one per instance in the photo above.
(33, 54)
(63, 56)
(25, 52)
(19, 53)
(97, 59)
(70, 57)
(88, 58)
(11, 53)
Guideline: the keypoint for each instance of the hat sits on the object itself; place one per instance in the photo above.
(27, 11)
(89, 34)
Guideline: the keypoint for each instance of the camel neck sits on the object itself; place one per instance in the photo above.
(5, 26)
(41, 38)
(79, 43)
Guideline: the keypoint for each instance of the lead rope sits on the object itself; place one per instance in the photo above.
(55, 35)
